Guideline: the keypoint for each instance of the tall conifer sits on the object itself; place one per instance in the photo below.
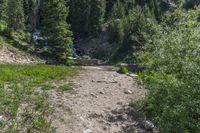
(97, 13)
(16, 19)
(56, 29)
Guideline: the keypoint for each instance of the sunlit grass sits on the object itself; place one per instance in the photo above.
(23, 84)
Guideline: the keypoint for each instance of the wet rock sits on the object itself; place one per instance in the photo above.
(147, 125)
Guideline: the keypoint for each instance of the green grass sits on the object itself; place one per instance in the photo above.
(25, 87)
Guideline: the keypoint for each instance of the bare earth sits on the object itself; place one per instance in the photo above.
(99, 103)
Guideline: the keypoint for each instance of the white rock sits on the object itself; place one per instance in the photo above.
(133, 75)
(1, 119)
(87, 131)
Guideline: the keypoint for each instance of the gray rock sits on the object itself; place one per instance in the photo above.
(87, 131)
(147, 125)
(128, 92)
(92, 94)
(101, 92)
(1, 119)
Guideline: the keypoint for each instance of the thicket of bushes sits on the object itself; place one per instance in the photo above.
(172, 76)
(168, 47)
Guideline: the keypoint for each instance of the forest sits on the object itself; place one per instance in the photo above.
(160, 37)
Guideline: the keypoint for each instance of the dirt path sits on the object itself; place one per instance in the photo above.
(98, 103)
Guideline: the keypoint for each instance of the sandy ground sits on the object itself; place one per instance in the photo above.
(99, 103)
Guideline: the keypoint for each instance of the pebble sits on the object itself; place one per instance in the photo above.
(94, 95)
(87, 131)
(128, 92)
(101, 92)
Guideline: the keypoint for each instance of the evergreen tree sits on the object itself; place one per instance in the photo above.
(118, 10)
(31, 9)
(3, 10)
(79, 17)
(109, 6)
(16, 19)
(97, 13)
(56, 29)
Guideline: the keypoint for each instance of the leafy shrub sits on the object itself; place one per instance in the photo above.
(131, 32)
(2, 27)
(123, 70)
(172, 73)
(21, 35)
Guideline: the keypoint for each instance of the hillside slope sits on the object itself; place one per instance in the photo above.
(12, 55)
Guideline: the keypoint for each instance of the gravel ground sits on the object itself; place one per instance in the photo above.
(99, 103)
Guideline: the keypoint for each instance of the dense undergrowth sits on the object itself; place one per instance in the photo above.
(172, 75)
(24, 98)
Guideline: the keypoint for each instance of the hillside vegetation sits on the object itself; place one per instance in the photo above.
(24, 98)
(161, 37)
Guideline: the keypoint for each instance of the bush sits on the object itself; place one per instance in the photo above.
(131, 32)
(123, 70)
(2, 27)
(172, 74)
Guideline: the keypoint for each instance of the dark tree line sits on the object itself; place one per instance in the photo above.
(58, 19)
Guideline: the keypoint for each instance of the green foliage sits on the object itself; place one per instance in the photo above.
(31, 11)
(96, 19)
(86, 17)
(79, 17)
(118, 10)
(130, 33)
(3, 27)
(15, 14)
(123, 70)
(20, 90)
(171, 58)
(56, 29)
(3, 10)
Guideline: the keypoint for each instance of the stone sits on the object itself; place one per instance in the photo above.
(133, 75)
(128, 92)
(101, 92)
(92, 94)
(87, 131)
(147, 125)
(105, 128)
(1, 119)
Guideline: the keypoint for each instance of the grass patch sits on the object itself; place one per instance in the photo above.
(66, 87)
(22, 104)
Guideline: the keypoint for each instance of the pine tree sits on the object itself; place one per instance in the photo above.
(79, 17)
(97, 13)
(3, 10)
(16, 19)
(118, 10)
(109, 6)
(31, 9)
(56, 29)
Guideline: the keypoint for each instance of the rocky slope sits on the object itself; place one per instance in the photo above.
(11, 55)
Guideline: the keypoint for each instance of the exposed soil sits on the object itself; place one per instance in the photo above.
(99, 103)
(11, 55)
